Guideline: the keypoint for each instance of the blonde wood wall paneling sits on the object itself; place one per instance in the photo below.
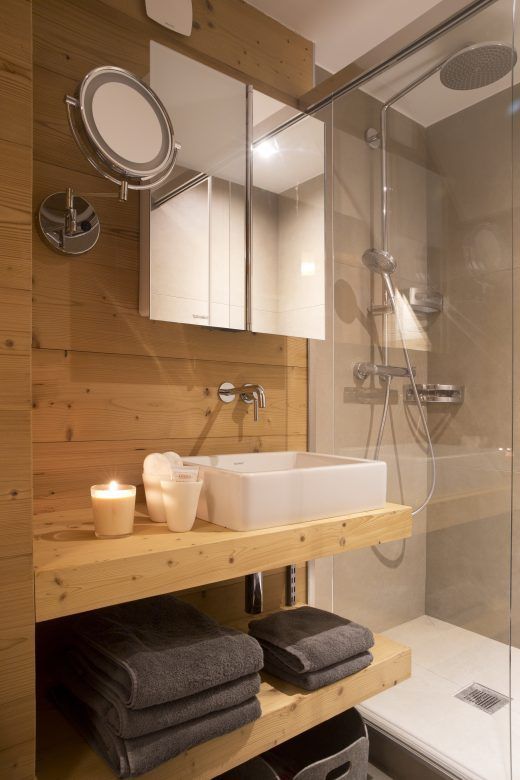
(110, 386)
(15, 487)
(86, 396)
(15, 321)
(17, 702)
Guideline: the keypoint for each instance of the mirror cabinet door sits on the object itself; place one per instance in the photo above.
(193, 226)
(288, 221)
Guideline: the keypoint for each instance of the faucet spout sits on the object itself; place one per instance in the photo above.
(254, 394)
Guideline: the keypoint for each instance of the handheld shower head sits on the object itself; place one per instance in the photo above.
(381, 262)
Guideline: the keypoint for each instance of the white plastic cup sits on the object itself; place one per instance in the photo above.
(154, 500)
(180, 501)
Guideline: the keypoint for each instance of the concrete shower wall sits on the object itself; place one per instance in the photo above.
(386, 585)
(470, 260)
(450, 225)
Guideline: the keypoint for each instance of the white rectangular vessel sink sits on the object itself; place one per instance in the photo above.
(261, 490)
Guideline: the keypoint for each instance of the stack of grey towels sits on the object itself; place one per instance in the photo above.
(145, 681)
(312, 648)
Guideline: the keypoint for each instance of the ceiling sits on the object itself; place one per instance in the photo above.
(344, 30)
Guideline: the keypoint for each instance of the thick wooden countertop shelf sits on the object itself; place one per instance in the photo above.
(286, 712)
(75, 572)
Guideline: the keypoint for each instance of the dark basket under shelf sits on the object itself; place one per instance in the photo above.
(336, 749)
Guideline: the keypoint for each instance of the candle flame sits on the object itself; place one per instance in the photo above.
(113, 486)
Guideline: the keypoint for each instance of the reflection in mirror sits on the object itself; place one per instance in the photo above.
(288, 223)
(127, 122)
(193, 226)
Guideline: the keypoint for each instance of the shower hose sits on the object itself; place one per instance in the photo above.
(422, 415)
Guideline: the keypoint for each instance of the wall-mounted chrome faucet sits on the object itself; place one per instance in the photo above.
(249, 394)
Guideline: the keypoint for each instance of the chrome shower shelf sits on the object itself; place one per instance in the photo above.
(436, 394)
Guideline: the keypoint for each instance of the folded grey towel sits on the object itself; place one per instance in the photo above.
(89, 685)
(131, 757)
(308, 639)
(161, 649)
(311, 681)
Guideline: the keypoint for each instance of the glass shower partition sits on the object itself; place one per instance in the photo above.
(451, 146)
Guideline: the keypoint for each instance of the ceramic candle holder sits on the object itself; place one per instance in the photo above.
(113, 507)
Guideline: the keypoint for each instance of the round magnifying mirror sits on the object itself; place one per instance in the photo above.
(122, 128)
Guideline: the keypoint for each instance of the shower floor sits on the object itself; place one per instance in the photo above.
(424, 714)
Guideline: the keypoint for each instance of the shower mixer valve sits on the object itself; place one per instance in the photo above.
(364, 370)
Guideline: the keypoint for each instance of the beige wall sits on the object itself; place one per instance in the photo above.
(451, 226)
(470, 260)
(385, 585)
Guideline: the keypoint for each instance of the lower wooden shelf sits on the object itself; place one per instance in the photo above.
(286, 712)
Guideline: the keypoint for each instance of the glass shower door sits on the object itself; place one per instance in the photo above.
(446, 591)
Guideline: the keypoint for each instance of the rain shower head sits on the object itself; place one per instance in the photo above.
(379, 261)
(478, 66)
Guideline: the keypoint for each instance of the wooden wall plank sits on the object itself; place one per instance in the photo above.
(86, 396)
(15, 322)
(15, 95)
(17, 697)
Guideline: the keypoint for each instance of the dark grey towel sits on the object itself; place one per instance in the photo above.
(308, 639)
(89, 685)
(311, 681)
(161, 649)
(131, 757)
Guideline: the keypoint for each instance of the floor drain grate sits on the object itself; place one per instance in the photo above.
(486, 699)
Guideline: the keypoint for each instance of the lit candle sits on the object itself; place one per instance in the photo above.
(113, 507)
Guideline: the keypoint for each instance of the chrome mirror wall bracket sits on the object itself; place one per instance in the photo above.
(68, 223)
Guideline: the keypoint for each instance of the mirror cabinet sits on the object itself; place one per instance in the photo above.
(234, 238)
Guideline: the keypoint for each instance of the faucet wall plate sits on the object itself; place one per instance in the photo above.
(226, 399)
(68, 223)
